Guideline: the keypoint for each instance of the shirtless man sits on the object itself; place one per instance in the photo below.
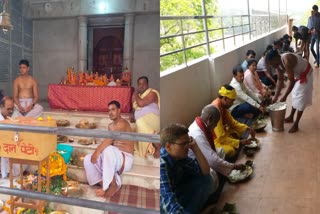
(146, 104)
(300, 77)
(111, 158)
(25, 93)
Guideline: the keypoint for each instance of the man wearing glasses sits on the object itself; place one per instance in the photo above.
(185, 183)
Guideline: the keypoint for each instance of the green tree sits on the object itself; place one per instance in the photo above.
(176, 26)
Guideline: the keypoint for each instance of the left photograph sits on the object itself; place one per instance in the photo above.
(80, 106)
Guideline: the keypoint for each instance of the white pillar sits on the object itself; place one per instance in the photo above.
(82, 43)
(128, 41)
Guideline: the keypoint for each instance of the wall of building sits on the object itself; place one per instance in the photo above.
(55, 49)
(146, 56)
(14, 46)
(187, 90)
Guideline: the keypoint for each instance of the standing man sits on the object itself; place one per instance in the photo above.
(6, 108)
(315, 32)
(111, 158)
(300, 76)
(185, 183)
(146, 104)
(25, 93)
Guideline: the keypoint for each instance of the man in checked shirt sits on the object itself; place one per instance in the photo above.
(185, 183)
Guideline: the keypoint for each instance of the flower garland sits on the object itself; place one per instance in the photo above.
(57, 166)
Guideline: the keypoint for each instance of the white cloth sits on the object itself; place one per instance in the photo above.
(5, 164)
(244, 95)
(108, 164)
(35, 112)
(302, 93)
(215, 162)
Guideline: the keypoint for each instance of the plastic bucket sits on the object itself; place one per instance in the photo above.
(277, 113)
(65, 151)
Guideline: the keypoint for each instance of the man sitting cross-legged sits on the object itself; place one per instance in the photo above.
(111, 158)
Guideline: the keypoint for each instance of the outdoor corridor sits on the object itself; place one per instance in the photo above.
(286, 175)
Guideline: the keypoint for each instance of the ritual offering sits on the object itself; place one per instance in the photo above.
(78, 159)
(84, 124)
(238, 175)
(87, 141)
(63, 123)
(62, 139)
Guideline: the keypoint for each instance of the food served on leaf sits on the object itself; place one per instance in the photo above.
(238, 175)
(63, 123)
(86, 141)
(260, 124)
(84, 124)
(254, 143)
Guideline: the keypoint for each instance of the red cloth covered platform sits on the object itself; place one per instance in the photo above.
(88, 98)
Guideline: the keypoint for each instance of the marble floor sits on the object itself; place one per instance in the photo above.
(286, 175)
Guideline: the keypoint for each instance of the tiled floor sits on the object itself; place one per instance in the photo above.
(286, 175)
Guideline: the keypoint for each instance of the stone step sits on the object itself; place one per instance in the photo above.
(88, 149)
(101, 119)
(142, 176)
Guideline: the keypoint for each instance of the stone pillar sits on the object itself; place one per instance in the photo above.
(82, 44)
(128, 41)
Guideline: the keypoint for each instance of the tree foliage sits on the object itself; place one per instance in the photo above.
(177, 27)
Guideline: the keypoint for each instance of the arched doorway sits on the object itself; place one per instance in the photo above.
(108, 55)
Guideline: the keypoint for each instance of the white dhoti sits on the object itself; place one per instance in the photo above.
(35, 112)
(108, 165)
(302, 93)
(5, 168)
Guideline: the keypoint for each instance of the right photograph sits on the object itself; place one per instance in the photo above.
(239, 111)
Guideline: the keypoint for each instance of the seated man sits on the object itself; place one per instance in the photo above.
(201, 131)
(146, 103)
(228, 131)
(185, 183)
(111, 158)
(264, 71)
(25, 92)
(6, 107)
(246, 102)
(249, 55)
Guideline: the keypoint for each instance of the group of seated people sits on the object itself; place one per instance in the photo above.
(112, 157)
(194, 159)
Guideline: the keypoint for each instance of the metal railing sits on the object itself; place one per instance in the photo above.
(184, 38)
(88, 133)
(211, 34)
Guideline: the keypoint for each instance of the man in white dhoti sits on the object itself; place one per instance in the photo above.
(6, 108)
(300, 76)
(111, 158)
(25, 93)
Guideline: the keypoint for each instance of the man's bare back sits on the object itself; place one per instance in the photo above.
(24, 87)
(122, 125)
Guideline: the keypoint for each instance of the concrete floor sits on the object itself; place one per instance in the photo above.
(286, 175)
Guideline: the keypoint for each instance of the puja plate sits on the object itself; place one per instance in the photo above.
(63, 123)
(86, 141)
(88, 126)
(240, 176)
(62, 139)
(59, 212)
